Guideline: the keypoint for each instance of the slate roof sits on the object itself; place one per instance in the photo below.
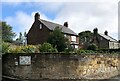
(108, 37)
(52, 26)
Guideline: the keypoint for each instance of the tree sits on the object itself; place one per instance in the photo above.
(85, 38)
(92, 47)
(47, 47)
(7, 33)
(20, 39)
(25, 38)
(58, 40)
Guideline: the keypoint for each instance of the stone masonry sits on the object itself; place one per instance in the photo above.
(60, 66)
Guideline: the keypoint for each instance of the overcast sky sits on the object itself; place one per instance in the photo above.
(80, 15)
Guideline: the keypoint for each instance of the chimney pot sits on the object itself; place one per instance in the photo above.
(106, 32)
(95, 31)
(66, 24)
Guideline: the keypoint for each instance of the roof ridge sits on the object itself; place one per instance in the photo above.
(50, 22)
(51, 26)
(108, 36)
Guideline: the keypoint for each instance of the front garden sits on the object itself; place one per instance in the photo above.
(47, 47)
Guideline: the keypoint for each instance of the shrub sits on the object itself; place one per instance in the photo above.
(17, 49)
(5, 47)
(28, 49)
(69, 49)
(92, 47)
(80, 51)
(89, 51)
(47, 47)
(23, 49)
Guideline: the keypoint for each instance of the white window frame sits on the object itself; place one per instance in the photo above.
(65, 35)
(73, 38)
(40, 26)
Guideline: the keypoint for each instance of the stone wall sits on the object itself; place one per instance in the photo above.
(60, 66)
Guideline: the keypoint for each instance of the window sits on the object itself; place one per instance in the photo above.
(40, 26)
(65, 35)
(76, 46)
(73, 38)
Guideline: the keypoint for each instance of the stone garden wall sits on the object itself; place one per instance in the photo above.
(60, 66)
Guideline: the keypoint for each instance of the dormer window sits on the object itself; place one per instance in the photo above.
(40, 26)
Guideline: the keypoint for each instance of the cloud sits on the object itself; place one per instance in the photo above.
(22, 21)
(60, 1)
(81, 16)
(15, 0)
(51, 7)
(86, 16)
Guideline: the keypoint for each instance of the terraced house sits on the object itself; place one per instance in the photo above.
(41, 29)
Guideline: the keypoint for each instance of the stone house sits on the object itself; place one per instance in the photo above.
(104, 41)
(41, 29)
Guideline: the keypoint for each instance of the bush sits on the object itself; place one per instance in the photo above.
(69, 49)
(81, 51)
(17, 49)
(92, 47)
(23, 49)
(5, 47)
(29, 49)
(84, 51)
(47, 47)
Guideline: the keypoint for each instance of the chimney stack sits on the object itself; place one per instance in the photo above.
(95, 31)
(66, 24)
(106, 32)
(37, 16)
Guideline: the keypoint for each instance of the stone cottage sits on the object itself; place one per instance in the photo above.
(41, 29)
(104, 41)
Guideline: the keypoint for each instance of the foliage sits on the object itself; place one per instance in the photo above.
(81, 51)
(47, 47)
(7, 33)
(92, 47)
(20, 39)
(85, 38)
(69, 49)
(58, 40)
(23, 49)
(29, 49)
(5, 47)
(16, 49)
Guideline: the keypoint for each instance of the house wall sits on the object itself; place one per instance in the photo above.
(75, 42)
(113, 45)
(70, 38)
(119, 45)
(106, 44)
(77, 39)
(37, 35)
(103, 43)
(116, 45)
